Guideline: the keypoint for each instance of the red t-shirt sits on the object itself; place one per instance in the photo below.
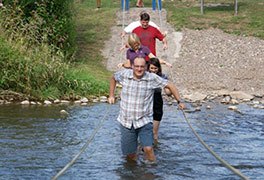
(148, 37)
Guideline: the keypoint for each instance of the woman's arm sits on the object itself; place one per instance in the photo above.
(126, 64)
(160, 60)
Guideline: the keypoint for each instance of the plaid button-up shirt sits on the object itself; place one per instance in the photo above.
(136, 106)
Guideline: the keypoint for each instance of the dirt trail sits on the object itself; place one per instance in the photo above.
(203, 61)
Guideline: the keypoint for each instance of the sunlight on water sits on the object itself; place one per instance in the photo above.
(37, 142)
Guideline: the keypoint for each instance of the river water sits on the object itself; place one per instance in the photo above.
(36, 142)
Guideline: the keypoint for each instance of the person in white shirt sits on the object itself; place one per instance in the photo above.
(129, 28)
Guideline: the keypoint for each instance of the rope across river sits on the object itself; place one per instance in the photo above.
(90, 139)
(101, 123)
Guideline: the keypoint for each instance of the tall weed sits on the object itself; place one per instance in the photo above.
(42, 21)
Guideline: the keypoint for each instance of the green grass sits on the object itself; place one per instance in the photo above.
(37, 74)
(248, 22)
(93, 29)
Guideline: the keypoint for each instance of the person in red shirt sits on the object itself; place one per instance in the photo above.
(148, 34)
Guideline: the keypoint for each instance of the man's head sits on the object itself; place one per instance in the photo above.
(144, 20)
(139, 67)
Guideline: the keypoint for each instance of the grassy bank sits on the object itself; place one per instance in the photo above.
(218, 14)
(93, 28)
(35, 71)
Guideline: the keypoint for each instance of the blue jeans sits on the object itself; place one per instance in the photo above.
(129, 138)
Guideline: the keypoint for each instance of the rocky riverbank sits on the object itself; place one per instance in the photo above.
(207, 64)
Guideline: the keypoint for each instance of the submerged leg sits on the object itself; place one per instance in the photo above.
(156, 125)
(149, 154)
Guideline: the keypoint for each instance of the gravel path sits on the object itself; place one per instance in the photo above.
(203, 61)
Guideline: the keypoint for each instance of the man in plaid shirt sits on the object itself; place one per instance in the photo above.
(136, 107)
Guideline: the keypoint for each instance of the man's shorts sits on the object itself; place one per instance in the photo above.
(130, 137)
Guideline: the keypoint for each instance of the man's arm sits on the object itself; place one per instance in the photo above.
(176, 94)
(111, 98)
(165, 43)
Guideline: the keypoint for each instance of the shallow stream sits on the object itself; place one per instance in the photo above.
(36, 142)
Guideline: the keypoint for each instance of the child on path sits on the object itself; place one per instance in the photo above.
(137, 50)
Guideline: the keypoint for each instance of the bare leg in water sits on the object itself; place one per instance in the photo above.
(149, 154)
(156, 125)
(131, 157)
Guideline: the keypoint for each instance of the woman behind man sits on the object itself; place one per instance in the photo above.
(155, 67)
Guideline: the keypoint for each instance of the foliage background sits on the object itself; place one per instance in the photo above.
(52, 48)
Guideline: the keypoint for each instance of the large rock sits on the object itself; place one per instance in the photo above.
(241, 95)
(196, 96)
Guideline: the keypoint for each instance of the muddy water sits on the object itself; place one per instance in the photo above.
(37, 142)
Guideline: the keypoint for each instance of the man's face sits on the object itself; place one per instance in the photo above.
(144, 23)
(139, 67)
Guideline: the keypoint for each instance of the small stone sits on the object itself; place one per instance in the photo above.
(84, 100)
(65, 102)
(64, 112)
(56, 101)
(77, 102)
(95, 100)
(226, 100)
(258, 106)
(234, 108)
(234, 101)
(47, 102)
(26, 102)
(103, 99)
(197, 109)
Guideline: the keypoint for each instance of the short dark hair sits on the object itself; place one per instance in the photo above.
(144, 17)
